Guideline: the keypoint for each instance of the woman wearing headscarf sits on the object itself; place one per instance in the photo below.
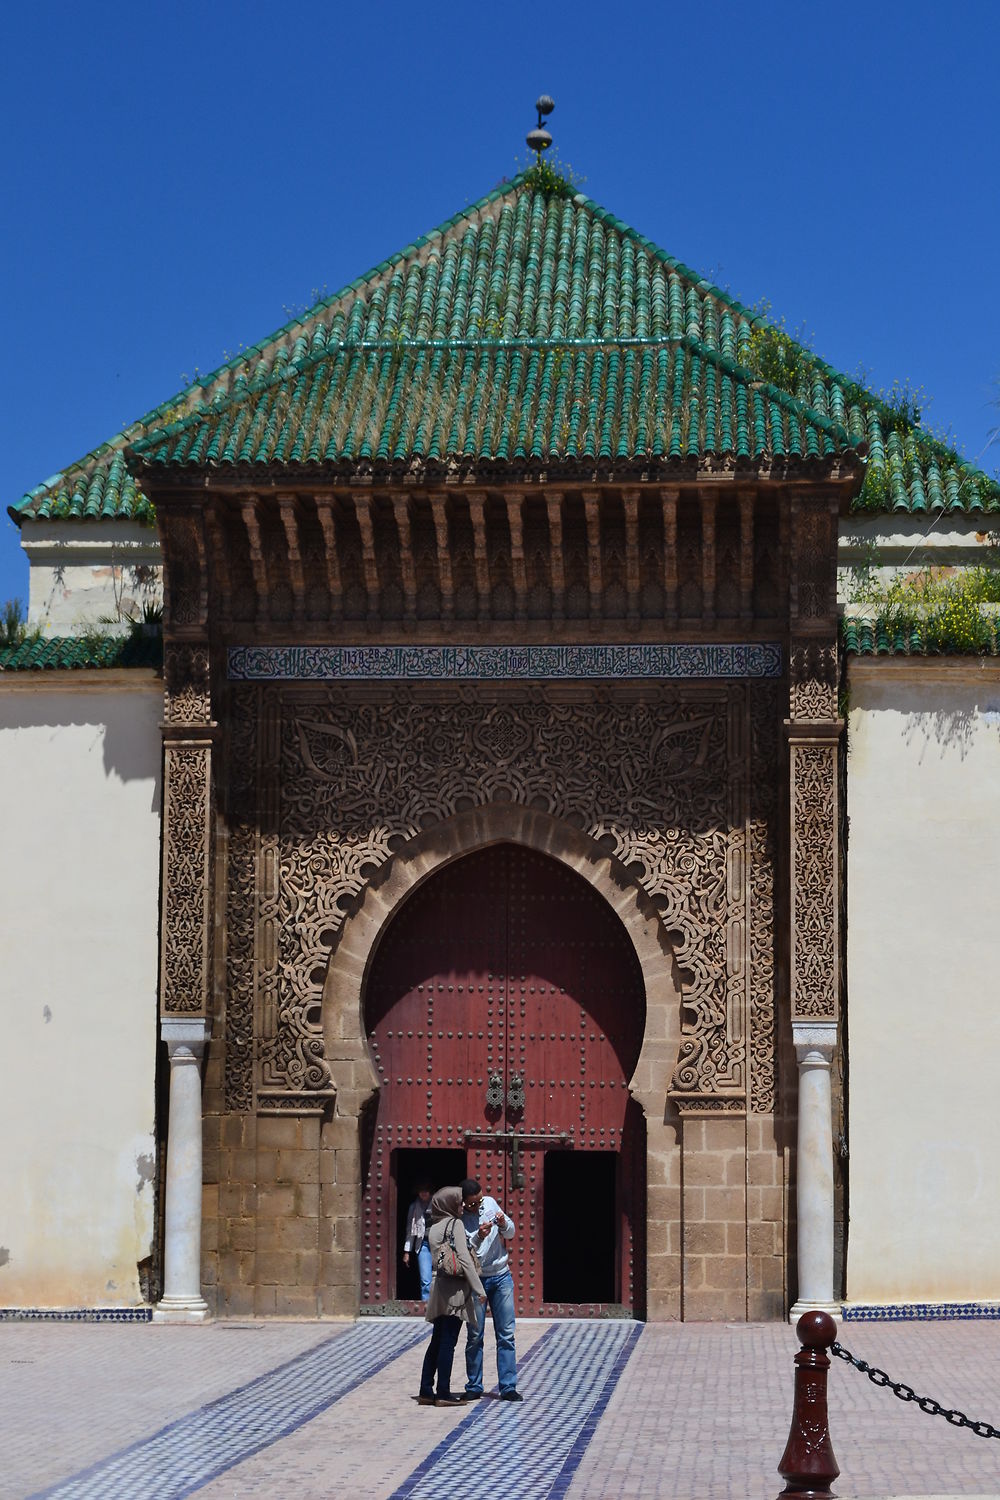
(452, 1301)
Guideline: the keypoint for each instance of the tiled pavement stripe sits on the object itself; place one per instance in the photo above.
(187, 1453)
(533, 1450)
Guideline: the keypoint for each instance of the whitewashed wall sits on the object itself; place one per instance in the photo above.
(85, 573)
(79, 877)
(923, 970)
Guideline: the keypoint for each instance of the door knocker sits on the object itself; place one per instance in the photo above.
(494, 1090)
(515, 1094)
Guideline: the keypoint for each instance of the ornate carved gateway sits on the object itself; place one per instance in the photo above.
(340, 776)
(506, 544)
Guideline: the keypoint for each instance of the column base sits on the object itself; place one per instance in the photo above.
(835, 1309)
(182, 1310)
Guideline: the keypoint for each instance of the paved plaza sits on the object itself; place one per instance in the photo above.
(325, 1411)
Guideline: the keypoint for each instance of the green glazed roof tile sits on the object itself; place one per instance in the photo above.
(529, 329)
(72, 652)
(880, 637)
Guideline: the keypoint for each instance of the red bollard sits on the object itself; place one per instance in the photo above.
(807, 1465)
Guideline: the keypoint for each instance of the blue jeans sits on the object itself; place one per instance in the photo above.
(500, 1295)
(426, 1268)
(439, 1356)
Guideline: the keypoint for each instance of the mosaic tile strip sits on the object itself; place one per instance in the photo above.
(538, 1446)
(917, 1312)
(500, 663)
(186, 1454)
(76, 1314)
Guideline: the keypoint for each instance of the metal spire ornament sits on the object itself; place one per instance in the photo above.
(539, 139)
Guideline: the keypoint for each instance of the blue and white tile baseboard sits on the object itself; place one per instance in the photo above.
(916, 1312)
(503, 663)
(76, 1314)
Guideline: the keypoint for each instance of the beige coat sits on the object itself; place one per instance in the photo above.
(453, 1296)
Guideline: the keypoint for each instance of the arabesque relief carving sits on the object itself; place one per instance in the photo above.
(813, 581)
(814, 879)
(657, 780)
(185, 595)
(187, 835)
(185, 929)
(240, 912)
(813, 672)
(762, 839)
(187, 696)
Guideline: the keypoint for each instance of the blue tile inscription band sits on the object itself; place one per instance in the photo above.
(500, 663)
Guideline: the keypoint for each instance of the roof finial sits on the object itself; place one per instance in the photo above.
(539, 139)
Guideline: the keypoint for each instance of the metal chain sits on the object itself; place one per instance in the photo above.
(907, 1393)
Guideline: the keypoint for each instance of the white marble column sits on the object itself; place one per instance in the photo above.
(814, 1045)
(182, 1301)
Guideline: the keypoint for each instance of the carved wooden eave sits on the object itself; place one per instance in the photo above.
(511, 557)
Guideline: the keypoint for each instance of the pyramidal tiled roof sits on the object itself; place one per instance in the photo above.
(533, 329)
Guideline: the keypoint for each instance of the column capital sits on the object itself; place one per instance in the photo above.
(813, 731)
(814, 1041)
(185, 1036)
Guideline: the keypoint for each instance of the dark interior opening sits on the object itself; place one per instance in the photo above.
(441, 1168)
(581, 1224)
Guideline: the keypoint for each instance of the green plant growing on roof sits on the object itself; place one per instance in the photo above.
(296, 310)
(939, 607)
(148, 624)
(777, 355)
(903, 406)
(95, 637)
(13, 624)
(550, 176)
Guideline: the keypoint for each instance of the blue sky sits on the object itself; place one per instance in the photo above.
(178, 179)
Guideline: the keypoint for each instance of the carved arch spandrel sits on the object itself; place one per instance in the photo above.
(430, 851)
(655, 780)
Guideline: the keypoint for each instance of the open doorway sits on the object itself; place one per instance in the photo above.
(581, 1219)
(440, 1168)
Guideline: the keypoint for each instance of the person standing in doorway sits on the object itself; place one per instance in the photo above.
(457, 1296)
(416, 1242)
(489, 1229)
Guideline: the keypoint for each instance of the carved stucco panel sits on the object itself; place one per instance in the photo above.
(341, 782)
(814, 878)
(187, 863)
(240, 911)
(762, 839)
(814, 670)
(185, 595)
(187, 685)
(655, 782)
(813, 590)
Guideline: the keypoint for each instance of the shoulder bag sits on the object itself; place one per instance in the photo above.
(446, 1262)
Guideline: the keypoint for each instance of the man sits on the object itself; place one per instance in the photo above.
(489, 1229)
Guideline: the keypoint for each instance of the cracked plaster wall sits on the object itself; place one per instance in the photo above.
(85, 574)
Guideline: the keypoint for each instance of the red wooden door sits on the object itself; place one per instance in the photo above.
(505, 1010)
